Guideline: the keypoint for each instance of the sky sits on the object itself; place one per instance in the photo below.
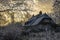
(46, 5)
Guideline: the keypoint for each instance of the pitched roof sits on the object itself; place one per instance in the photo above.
(44, 16)
(37, 19)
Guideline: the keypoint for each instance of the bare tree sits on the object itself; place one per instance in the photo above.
(57, 10)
